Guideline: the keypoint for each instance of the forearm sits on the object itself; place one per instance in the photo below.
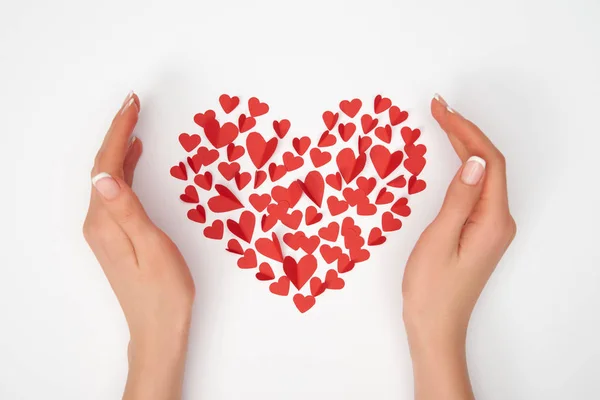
(156, 373)
(440, 367)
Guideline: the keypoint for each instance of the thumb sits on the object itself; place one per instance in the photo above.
(462, 195)
(123, 205)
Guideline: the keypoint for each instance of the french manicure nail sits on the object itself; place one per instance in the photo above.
(129, 103)
(473, 171)
(106, 186)
(440, 99)
(129, 96)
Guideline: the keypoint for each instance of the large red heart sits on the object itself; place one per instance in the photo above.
(318, 186)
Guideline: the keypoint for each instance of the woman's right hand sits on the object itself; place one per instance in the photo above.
(453, 260)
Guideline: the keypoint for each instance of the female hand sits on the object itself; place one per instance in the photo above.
(453, 260)
(144, 267)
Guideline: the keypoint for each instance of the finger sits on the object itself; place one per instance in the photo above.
(463, 194)
(111, 156)
(123, 206)
(476, 143)
(131, 159)
(459, 148)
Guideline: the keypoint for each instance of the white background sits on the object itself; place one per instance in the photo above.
(525, 71)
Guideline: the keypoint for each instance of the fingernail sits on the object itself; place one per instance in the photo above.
(473, 171)
(132, 139)
(106, 186)
(440, 99)
(129, 103)
(129, 96)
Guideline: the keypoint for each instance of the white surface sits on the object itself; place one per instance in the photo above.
(525, 71)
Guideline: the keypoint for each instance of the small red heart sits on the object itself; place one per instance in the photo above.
(344, 264)
(312, 216)
(349, 165)
(366, 208)
(294, 240)
(330, 254)
(233, 246)
(189, 142)
(259, 178)
(244, 228)
(291, 162)
(281, 128)
(276, 172)
(259, 150)
(201, 118)
(354, 196)
(401, 207)
(301, 145)
(359, 255)
(248, 260)
(310, 244)
(384, 133)
(267, 222)
(352, 240)
(389, 223)
(351, 108)
(415, 165)
(246, 123)
(270, 248)
(381, 104)
(215, 231)
(384, 197)
(265, 272)
(242, 179)
(410, 135)
(190, 195)
(326, 140)
(397, 116)
(346, 131)
(415, 185)
(281, 287)
(334, 180)
(336, 206)
(304, 303)
(319, 158)
(228, 103)
(299, 272)
(194, 164)
(375, 237)
(366, 184)
(257, 108)
(292, 220)
(333, 281)
(385, 162)
(197, 214)
(290, 195)
(220, 136)
(330, 232)
(398, 182)
(179, 171)
(234, 152)
(229, 170)
(205, 156)
(415, 151)
(364, 142)
(313, 186)
(317, 287)
(259, 202)
(348, 224)
(330, 119)
(226, 201)
(368, 123)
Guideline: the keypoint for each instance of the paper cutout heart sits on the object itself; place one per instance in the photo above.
(328, 200)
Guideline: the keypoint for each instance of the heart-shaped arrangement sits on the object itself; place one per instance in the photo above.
(322, 202)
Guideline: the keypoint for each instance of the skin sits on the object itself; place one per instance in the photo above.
(444, 276)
